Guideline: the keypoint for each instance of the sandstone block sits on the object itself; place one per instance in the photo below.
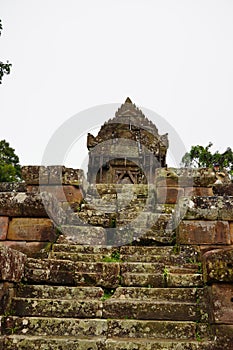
(222, 298)
(11, 265)
(197, 208)
(185, 177)
(218, 265)
(198, 191)
(225, 205)
(87, 235)
(34, 175)
(13, 187)
(231, 231)
(31, 249)
(31, 229)
(169, 195)
(4, 220)
(67, 193)
(21, 205)
(203, 232)
(59, 174)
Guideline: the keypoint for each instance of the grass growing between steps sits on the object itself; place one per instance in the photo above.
(114, 257)
(108, 293)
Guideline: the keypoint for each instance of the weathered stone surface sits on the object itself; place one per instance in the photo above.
(53, 209)
(82, 235)
(205, 208)
(14, 342)
(6, 293)
(11, 265)
(160, 344)
(31, 229)
(57, 308)
(49, 326)
(13, 187)
(224, 337)
(197, 208)
(4, 221)
(21, 205)
(50, 271)
(198, 191)
(222, 299)
(218, 265)
(149, 310)
(65, 193)
(59, 292)
(185, 177)
(143, 329)
(231, 231)
(225, 208)
(59, 174)
(169, 195)
(223, 189)
(203, 232)
(34, 175)
(31, 249)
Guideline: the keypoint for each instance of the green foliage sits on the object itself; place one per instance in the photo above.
(10, 170)
(5, 68)
(115, 257)
(200, 156)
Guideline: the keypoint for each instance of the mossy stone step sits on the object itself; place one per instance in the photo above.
(53, 326)
(169, 294)
(65, 272)
(138, 267)
(162, 344)
(150, 310)
(57, 308)
(85, 328)
(162, 279)
(15, 342)
(59, 292)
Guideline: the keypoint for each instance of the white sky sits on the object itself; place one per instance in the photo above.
(174, 57)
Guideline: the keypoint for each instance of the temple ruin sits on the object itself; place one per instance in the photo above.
(127, 150)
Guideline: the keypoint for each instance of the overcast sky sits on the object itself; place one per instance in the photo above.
(174, 57)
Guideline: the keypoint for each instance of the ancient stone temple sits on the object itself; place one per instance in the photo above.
(127, 149)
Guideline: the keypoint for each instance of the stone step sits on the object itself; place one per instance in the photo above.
(65, 272)
(15, 342)
(133, 252)
(163, 294)
(165, 279)
(19, 342)
(160, 344)
(84, 328)
(150, 310)
(53, 326)
(58, 292)
(57, 308)
(138, 267)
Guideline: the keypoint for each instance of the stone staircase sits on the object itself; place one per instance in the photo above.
(84, 297)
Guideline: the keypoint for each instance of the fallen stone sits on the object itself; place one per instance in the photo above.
(35, 175)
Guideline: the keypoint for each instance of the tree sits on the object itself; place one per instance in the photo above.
(5, 68)
(10, 170)
(200, 156)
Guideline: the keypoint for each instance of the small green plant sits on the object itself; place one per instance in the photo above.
(114, 257)
(165, 275)
(108, 293)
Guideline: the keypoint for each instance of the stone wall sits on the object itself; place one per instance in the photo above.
(25, 224)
